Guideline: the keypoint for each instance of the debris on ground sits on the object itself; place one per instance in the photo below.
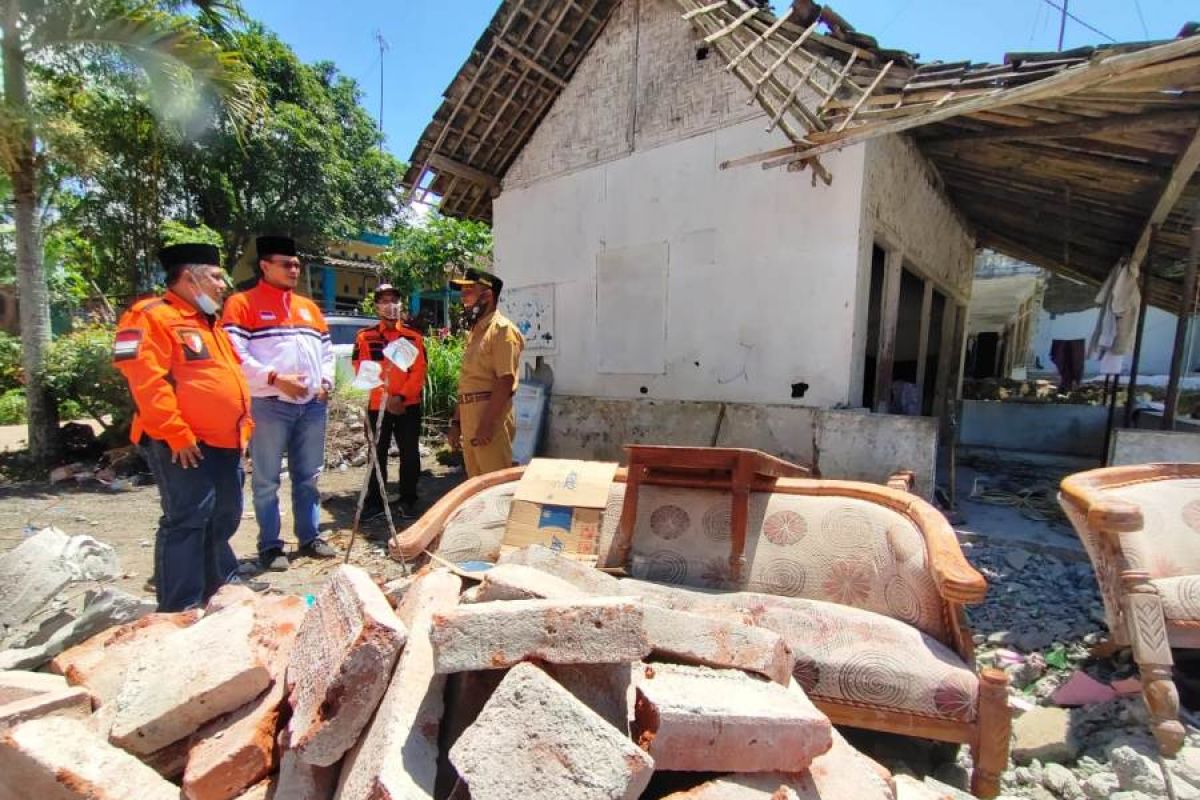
(539, 678)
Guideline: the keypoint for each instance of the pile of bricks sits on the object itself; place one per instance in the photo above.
(544, 680)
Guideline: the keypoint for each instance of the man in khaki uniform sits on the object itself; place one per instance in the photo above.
(483, 420)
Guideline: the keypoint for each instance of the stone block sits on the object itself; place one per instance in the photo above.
(496, 635)
(236, 751)
(580, 575)
(535, 741)
(606, 689)
(718, 642)
(60, 759)
(696, 719)
(213, 667)
(73, 703)
(843, 773)
(299, 780)
(101, 663)
(20, 685)
(341, 665)
(1044, 733)
(397, 759)
(518, 582)
(264, 790)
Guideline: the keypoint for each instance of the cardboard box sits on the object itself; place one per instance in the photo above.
(559, 504)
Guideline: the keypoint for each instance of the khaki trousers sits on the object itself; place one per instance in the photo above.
(497, 454)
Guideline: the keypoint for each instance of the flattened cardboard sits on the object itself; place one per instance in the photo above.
(560, 504)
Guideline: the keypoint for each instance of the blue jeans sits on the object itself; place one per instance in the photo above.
(202, 508)
(298, 430)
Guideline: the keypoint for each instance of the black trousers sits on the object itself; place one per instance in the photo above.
(405, 429)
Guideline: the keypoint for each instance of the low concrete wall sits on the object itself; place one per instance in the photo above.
(1071, 430)
(1150, 447)
(838, 444)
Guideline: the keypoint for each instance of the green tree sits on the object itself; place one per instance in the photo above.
(313, 169)
(61, 37)
(421, 250)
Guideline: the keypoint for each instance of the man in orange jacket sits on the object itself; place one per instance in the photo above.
(192, 423)
(402, 410)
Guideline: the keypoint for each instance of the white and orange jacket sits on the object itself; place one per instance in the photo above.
(278, 332)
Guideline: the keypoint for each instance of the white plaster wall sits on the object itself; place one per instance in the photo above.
(761, 274)
(1156, 347)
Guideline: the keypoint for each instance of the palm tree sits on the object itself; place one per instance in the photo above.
(65, 35)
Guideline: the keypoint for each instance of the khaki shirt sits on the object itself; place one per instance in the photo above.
(494, 349)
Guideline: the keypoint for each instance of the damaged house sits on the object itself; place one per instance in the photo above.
(678, 293)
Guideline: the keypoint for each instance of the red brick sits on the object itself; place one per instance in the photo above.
(397, 759)
(494, 635)
(101, 663)
(341, 665)
(696, 719)
(233, 753)
(61, 759)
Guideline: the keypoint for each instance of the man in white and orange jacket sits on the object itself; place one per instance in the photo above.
(287, 358)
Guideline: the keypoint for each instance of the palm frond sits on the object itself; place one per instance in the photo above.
(158, 42)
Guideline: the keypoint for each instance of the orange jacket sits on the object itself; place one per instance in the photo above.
(409, 384)
(184, 375)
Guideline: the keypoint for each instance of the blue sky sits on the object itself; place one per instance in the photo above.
(429, 39)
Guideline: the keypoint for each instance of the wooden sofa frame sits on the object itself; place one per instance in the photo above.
(1141, 624)
(957, 582)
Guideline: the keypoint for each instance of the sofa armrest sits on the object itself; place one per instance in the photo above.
(956, 579)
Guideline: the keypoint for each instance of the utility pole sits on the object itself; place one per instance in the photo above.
(1062, 26)
(383, 48)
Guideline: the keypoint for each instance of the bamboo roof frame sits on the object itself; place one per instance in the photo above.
(1066, 160)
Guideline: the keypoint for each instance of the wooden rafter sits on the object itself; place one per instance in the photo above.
(1185, 168)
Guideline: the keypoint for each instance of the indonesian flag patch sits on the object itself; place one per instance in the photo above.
(126, 344)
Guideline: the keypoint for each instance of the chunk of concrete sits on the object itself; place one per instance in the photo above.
(718, 642)
(36, 570)
(518, 582)
(841, 774)
(341, 665)
(102, 610)
(299, 780)
(234, 752)
(583, 631)
(60, 759)
(100, 663)
(196, 675)
(535, 741)
(606, 689)
(696, 719)
(1044, 733)
(397, 759)
(32, 695)
(580, 575)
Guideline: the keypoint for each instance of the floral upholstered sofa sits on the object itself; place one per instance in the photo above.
(1141, 527)
(866, 583)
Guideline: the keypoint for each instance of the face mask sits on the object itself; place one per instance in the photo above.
(203, 302)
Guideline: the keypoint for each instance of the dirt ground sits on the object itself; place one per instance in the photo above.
(127, 520)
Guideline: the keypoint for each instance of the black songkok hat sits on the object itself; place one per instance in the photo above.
(175, 256)
(268, 246)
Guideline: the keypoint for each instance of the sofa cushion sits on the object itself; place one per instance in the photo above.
(835, 548)
(843, 654)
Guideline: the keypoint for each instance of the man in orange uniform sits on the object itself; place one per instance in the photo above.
(192, 423)
(483, 419)
(402, 411)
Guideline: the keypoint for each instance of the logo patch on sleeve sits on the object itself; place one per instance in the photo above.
(126, 344)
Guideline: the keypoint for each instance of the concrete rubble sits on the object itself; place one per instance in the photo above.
(541, 677)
